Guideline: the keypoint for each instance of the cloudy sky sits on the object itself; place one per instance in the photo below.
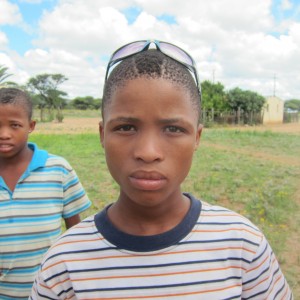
(254, 45)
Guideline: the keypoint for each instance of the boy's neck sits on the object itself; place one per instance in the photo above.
(11, 169)
(24, 156)
(145, 221)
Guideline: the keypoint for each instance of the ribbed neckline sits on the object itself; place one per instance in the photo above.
(148, 243)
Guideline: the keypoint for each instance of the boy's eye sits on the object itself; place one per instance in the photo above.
(16, 125)
(174, 129)
(126, 128)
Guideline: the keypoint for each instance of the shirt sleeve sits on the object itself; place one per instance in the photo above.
(74, 196)
(40, 290)
(264, 279)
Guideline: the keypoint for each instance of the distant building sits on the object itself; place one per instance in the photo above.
(273, 110)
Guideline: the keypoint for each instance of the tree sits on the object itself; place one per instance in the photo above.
(247, 101)
(84, 103)
(46, 86)
(213, 95)
(4, 76)
(293, 104)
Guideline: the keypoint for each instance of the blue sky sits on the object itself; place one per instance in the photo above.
(243, 47)
(21, 36)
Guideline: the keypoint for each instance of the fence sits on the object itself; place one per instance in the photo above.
(290, 117)
(238, 117)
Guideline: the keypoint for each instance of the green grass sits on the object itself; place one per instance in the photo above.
(270, 142)
(226, 171)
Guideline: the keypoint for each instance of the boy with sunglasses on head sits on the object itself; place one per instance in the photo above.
(156, 242)
(37, 190)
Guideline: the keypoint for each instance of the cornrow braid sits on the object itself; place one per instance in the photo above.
(16, 97)
(150, 64)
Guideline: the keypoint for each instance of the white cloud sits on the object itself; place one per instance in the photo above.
(78, 28)
(3, 41)
(10, 13)
(6, 61)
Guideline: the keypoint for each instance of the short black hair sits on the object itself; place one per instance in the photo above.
(18, 97)
(151, 64)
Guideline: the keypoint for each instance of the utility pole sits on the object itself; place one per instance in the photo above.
(274, 86)
(213, 75)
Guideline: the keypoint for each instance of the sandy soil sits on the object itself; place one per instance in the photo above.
(69, 125)
(286, 127)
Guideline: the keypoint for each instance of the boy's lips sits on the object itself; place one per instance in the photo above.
(5, 147)
(149, 181)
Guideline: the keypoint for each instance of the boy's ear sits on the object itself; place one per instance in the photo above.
(198, 136)
(101, 132)
(31, 125)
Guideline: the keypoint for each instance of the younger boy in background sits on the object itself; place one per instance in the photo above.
(37, 189)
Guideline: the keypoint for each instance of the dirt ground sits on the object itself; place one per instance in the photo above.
(69, 125)
(286, 127)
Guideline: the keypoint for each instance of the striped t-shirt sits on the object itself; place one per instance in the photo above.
(30, 218)
(212, 254)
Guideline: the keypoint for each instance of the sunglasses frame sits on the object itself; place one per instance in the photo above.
(190, 67)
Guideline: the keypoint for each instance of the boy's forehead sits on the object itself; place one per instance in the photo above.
(16, 107)
(150, 96)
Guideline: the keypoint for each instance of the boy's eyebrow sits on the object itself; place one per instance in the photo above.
(170, 120)
(124, 119)
(132, 119)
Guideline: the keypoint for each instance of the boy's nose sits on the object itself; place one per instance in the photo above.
(148, 148)
(4, 134)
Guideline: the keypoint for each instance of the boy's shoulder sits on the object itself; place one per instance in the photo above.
(54, 159)
(42, 157)
(226, 219)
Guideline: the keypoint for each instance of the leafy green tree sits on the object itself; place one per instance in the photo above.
(213, 96)
(246, 101)
(293, 104)
(46, 87)
(84, 103)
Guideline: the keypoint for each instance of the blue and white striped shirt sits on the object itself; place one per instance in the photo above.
(30, 218)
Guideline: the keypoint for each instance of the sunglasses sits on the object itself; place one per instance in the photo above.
(168, 49)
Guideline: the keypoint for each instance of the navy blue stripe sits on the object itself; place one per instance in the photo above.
(255, 278)
(159, 286)
(265, 290)
(65, 291)
(219, 241)
(280, 290)
(228, 223)
(5, 297)
(79, 251)
(135, 267)
(264, 251)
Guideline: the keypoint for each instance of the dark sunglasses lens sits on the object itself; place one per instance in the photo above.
(128, 50)
(176, 53)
